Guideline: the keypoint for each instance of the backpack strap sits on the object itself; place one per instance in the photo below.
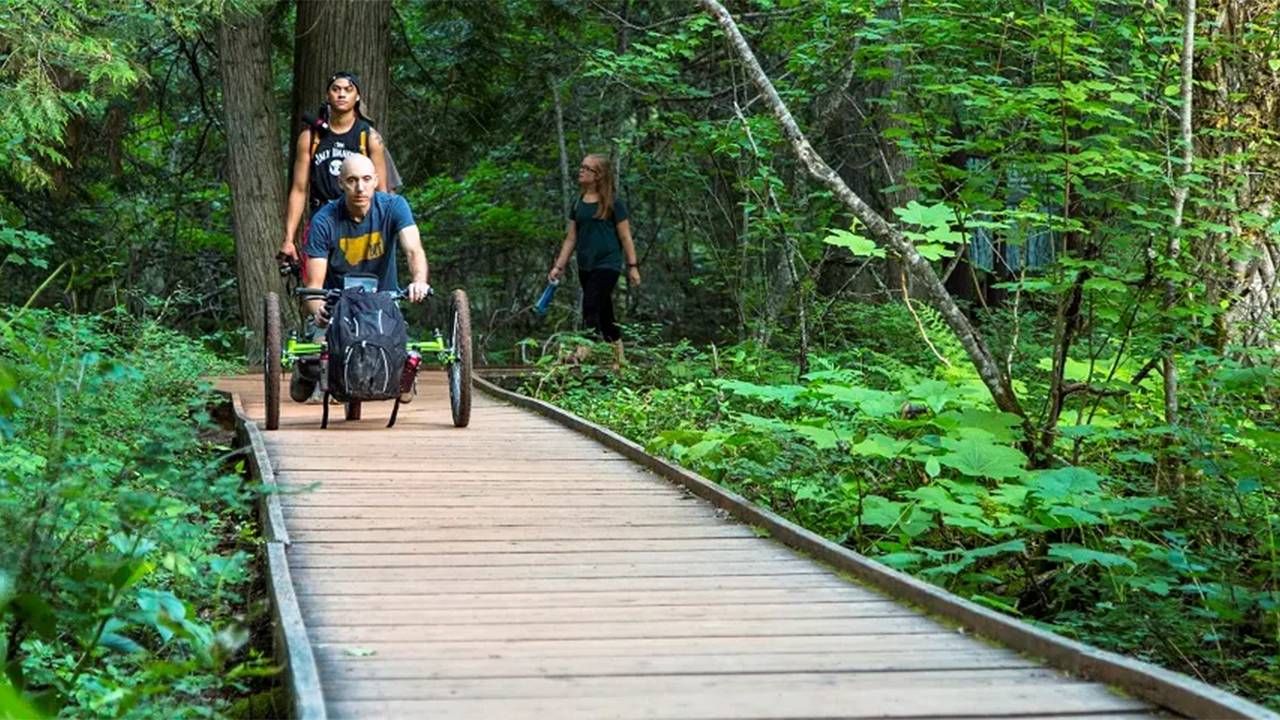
(364, 141)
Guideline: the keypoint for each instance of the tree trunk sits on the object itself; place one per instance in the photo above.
(988, 368)
(566, 196)
(254, 169)
(333, 35)
(1180, 191)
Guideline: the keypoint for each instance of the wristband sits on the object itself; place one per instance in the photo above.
(633, 265)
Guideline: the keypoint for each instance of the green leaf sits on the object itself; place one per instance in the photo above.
(938, 215)
(1078, 516)
(822, 438)
(856, 244)
(359, 652)
(879, 445)
(1062, 483)
(875, 403)
(120, 643)
(900, 560)
(976, 457)
(1001, 426)
(933, 251)
(1080, 555)
(881, 512)
(1013, 546)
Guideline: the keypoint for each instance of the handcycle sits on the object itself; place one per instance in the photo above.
(301, 354)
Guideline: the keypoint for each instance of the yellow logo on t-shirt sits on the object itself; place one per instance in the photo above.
(362, 247)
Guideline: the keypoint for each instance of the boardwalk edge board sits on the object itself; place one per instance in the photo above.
(292, 645)
(1172, 690)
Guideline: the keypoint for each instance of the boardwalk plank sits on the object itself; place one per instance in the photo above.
(760, 612)
(348, 667)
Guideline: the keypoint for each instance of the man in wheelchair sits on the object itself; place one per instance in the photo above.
(357, 234)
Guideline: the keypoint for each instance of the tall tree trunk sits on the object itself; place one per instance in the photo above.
(351, 35)
(1180, 191)
(566, 197)
(254, 169)
(986, 364)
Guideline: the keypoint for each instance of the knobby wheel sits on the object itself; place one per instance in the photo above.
(271, 358)
(459, 370)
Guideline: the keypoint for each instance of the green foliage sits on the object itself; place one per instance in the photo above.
(127, 542)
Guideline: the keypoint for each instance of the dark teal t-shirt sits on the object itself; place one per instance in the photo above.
(598, 246)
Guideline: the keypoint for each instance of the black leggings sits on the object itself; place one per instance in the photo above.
(597, 302)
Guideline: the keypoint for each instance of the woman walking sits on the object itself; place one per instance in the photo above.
(599, 230)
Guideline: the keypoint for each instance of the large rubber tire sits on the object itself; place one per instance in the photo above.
(271, 359)
(352, 410)
(459, 371)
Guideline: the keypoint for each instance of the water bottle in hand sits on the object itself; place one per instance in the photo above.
(544, 301)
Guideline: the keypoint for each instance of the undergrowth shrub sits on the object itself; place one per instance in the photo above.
(126, 542)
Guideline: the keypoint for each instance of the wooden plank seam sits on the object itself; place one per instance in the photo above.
(1172, 690)
(292, 646)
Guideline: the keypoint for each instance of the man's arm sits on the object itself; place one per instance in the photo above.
(317, 268)
(297, 193)
(379, 158)
(411, 241)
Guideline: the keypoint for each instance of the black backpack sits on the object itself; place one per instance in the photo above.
(366, 338)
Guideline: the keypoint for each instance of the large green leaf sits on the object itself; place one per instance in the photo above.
(1080, 555)
(856, 244)
(1063, 483)
(880, 445)
(1003, 427)
(938, 215)
(977, 457)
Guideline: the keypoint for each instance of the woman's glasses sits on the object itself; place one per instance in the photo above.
(589, 169)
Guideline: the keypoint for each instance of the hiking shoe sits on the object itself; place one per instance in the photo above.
(300, 388)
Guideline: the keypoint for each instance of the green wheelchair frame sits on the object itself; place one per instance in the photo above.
(452, 352)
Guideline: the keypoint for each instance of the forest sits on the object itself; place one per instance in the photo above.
(986, 290)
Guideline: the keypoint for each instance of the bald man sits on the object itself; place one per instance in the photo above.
(359, 232)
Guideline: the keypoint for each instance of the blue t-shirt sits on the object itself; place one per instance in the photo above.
(368, 246)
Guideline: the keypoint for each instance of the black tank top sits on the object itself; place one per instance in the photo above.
(327, 156)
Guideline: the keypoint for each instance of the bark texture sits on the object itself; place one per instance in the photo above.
(351, 35)
(254, 172)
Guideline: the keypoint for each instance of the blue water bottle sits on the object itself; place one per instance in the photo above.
(544, 302)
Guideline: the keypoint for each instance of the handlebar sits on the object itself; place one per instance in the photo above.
(331, 295)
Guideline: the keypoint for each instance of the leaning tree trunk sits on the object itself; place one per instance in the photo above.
(351, 35)
(254, 169)
(930, 285)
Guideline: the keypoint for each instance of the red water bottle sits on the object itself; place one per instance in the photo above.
(410, 372)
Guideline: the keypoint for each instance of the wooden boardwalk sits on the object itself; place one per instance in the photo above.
(516, 569)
